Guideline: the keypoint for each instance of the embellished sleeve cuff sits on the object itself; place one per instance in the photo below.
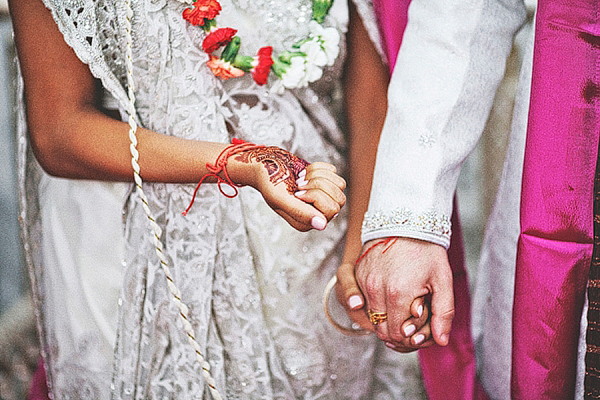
(430, 226)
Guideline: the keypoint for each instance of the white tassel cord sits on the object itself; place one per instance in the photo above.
(183, 309)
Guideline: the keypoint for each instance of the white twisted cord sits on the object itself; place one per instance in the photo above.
(157, 232)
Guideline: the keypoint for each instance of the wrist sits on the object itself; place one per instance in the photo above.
(243, 172)
(228, 175)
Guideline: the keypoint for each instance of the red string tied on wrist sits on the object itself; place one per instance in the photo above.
(388, 242)
(220, 166)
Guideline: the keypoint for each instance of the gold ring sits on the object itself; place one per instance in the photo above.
(377, 318)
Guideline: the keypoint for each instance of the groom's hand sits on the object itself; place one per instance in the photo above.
(408, 269)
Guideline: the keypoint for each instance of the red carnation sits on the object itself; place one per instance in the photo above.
(260, 72)
(201, 10)
(217, 38)
(223, 69)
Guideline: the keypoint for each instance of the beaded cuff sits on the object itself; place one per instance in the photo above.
(429, 225)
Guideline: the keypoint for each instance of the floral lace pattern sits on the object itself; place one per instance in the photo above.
(251, 282)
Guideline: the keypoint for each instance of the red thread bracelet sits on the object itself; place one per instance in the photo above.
(220, 165)
(389, 240)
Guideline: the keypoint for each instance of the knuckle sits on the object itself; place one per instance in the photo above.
(397, 337)
(342, 278)
(405, 350)
(395, 294)
(372, 287)
(341, 200)
(334, 209)
(322, 183)
(382, 336)
(371, 291)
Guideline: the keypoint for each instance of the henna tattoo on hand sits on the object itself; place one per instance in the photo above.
(281, 165)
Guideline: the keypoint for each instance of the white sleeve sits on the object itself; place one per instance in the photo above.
(451, 61)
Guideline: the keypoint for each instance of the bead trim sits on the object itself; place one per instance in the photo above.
(427, 222)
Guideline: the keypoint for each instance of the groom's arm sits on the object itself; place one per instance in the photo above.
(449, 66)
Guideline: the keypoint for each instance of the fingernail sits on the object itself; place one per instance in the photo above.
(354, 302)
(301, 181)
(419, 338)
(299, 193)
(302, 173)
(390, 345)
(318, 223)
(420, 310)
(409, 330)
(335, 216)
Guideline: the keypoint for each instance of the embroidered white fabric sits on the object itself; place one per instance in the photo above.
(252, 283)
(428, 133)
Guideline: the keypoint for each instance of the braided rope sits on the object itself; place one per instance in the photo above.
(157, 232)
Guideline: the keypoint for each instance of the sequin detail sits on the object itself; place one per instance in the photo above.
(427, 222)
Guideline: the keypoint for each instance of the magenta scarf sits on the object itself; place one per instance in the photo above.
(556, 240)
(448, 372)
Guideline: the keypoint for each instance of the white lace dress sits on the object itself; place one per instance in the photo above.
(252, 283)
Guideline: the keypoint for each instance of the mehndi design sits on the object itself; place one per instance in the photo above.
(281, 165)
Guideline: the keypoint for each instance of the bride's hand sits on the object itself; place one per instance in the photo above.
(306, 195)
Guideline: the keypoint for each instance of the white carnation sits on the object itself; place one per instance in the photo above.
(295, 75)
(329, 39)
(314, 52)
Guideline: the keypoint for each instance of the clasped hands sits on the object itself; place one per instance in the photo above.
(401, 290)
(407, 283)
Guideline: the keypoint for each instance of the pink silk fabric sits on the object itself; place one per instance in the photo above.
(556, 240)
(448, 372)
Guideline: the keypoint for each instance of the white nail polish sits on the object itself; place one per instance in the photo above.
(420, 311)
(299, 193)
(409, 330)
(390, 345)
(354, 302)
(301, 182)
(302, 174)
(419, 338)
(318, 223)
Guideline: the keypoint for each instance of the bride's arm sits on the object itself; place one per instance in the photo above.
(366, 82)
(71, 138)
(366, 79)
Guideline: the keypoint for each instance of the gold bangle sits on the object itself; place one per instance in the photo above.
(343, 329)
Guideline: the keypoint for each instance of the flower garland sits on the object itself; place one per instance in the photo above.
(295, 68)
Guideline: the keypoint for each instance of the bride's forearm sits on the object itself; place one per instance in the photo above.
(71, 138)
(365, 82)
(90, 145)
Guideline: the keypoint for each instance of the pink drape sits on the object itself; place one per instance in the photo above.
(556, 240)
(448, 372)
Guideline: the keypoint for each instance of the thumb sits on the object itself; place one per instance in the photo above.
(442, 308)
(347, 290)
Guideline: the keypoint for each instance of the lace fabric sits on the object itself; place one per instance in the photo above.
(251, 282)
